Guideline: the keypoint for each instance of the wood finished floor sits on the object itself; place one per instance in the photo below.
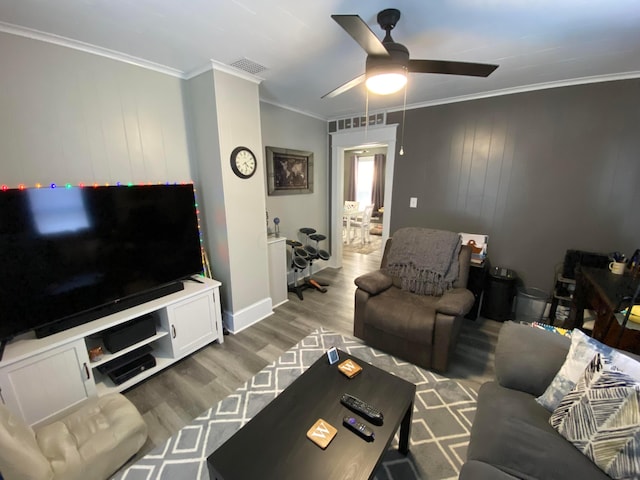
(171, 399)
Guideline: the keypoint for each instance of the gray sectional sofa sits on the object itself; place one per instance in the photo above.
(511, 436)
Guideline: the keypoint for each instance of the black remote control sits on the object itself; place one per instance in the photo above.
(362, 408)
(360, 428)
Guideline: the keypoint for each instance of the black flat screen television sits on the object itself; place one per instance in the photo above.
(70, 255)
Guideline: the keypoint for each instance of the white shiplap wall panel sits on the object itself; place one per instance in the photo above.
(71, 132)
(69, 116)
(98, 154)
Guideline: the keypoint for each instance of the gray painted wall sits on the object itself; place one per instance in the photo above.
(539, 172)
(286, 129)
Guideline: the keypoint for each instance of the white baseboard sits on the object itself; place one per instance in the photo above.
(235, 322)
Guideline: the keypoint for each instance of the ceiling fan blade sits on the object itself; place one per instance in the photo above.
(361, 33)
(344, 87)
(451, 68)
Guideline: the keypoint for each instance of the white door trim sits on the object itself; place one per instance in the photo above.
(341, 141)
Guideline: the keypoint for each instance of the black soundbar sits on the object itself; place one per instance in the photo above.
(117, 306)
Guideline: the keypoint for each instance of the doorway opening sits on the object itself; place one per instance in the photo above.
(342, 142)
(364, 190)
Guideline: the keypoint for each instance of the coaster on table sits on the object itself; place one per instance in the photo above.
(350, 368)
(321, 433)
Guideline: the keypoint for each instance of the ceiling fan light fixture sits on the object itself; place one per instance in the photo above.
(386, 83)
(392, 58)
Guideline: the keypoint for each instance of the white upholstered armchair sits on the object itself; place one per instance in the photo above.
(91, 443)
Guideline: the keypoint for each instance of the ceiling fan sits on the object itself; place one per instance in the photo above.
(388, 61)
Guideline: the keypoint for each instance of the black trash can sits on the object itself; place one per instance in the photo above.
(499, 293)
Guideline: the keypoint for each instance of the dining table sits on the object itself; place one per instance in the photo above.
(348, 215)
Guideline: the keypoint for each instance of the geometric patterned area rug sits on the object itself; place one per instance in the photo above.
(442, 417)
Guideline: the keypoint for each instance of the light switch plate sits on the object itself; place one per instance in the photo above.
(413, 202)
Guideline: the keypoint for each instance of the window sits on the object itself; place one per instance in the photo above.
(364, 181)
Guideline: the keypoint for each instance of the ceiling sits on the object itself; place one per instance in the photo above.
(537, 43)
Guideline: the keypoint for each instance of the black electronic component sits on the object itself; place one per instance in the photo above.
(130, 370)
(72, 255)
(127, 334)
(574, 259)
(362, 408)
(125, 359)
(358, 427)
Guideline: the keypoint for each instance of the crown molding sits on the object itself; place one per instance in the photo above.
(295, 110)
(198, 71)
(523, 89)
(221, 67)
(215, 65)
(88, 48)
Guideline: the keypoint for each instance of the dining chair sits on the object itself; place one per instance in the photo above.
(364, 224)
(350, 208)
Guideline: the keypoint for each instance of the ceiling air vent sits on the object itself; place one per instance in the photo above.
(248, 66)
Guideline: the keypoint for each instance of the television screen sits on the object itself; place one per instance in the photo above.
(67, 251)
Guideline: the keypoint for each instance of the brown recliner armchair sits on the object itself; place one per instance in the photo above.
(422, 329)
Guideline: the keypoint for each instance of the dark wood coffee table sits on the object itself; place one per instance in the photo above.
(274, 445)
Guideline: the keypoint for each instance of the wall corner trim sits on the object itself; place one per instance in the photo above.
(221, 67)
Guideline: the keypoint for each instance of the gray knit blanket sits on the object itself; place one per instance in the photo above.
(425, 260)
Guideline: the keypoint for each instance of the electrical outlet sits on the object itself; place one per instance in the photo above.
(413, 202)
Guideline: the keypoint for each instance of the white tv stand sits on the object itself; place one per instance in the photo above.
(41, 378)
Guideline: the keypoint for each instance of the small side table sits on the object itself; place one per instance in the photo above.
(475, 284)
(499, 294)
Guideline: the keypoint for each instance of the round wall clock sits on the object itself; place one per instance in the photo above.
(243, 162)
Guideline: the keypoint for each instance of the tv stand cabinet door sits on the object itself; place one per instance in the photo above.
(192, 324)
(39, 388)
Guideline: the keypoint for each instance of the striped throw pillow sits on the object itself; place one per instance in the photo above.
(600, 416)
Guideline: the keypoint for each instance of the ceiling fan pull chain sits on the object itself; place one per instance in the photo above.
(404, 110)
(366, 114)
